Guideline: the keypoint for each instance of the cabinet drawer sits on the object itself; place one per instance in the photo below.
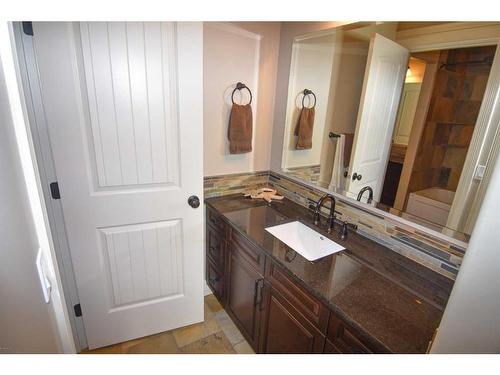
(303, 301)
(215, 245)
(345, 339)
(241, 247)
(215, 281)
(216, 221)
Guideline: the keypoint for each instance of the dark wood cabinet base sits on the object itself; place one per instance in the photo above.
(273, 313)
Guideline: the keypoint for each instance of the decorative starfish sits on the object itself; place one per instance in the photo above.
(265, 193)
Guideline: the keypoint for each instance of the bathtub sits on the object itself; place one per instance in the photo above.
(432, 204)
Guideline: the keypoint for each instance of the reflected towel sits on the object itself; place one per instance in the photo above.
(239, 131)
(304, 129)
(338, 179)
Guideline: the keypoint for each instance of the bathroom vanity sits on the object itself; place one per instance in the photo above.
(364, 299)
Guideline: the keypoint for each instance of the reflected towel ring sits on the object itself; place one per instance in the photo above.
(240, 86)
(306, 93)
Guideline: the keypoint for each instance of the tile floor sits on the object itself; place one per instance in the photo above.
(216, 335)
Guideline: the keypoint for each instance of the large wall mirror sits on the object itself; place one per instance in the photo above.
(400, 116)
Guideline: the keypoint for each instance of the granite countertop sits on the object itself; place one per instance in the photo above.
(392, 301)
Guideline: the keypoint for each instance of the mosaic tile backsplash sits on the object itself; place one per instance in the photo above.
(432, 252)
(216, 186)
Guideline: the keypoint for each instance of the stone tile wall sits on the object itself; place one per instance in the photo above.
(456, 99)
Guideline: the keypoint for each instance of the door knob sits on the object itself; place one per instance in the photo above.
(356, 176)
(194, 201)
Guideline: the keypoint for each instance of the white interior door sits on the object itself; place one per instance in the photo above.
(123, 103)
(382, 86)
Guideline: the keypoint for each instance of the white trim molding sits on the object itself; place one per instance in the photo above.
(449, 35)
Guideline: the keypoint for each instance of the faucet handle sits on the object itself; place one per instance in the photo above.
(343, 235)
(345, 227)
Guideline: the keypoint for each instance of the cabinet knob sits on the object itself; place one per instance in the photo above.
(356, 176)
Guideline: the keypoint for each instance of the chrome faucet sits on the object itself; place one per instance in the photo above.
(370, 194)
(331, 216)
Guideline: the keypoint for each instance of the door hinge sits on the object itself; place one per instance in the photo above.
(78, 309)
(54, 190)
(28, 28)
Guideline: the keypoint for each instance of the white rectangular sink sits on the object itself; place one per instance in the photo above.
(304, 240)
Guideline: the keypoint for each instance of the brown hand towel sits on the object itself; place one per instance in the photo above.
(304, 129)
(349, 138)
(239, 131)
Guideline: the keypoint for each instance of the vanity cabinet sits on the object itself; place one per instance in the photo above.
(273, 312)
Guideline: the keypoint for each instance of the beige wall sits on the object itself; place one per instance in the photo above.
(271, 98)
(240, 51)
(345, 92)
(312, 68)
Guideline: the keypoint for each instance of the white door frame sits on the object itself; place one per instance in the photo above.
(42, 149)
(483, 150)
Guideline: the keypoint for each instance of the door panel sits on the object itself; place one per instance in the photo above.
(130, 69)
(145, 261)
(127, 146)
(384, 78)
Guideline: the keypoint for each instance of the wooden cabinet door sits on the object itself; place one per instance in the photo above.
(285, 330)
(342, 338)
(244, 299)
(330, 348)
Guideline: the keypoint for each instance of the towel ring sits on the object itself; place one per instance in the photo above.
(306, 93)
(240, 86)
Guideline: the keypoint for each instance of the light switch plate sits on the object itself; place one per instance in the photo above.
(479, 172)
